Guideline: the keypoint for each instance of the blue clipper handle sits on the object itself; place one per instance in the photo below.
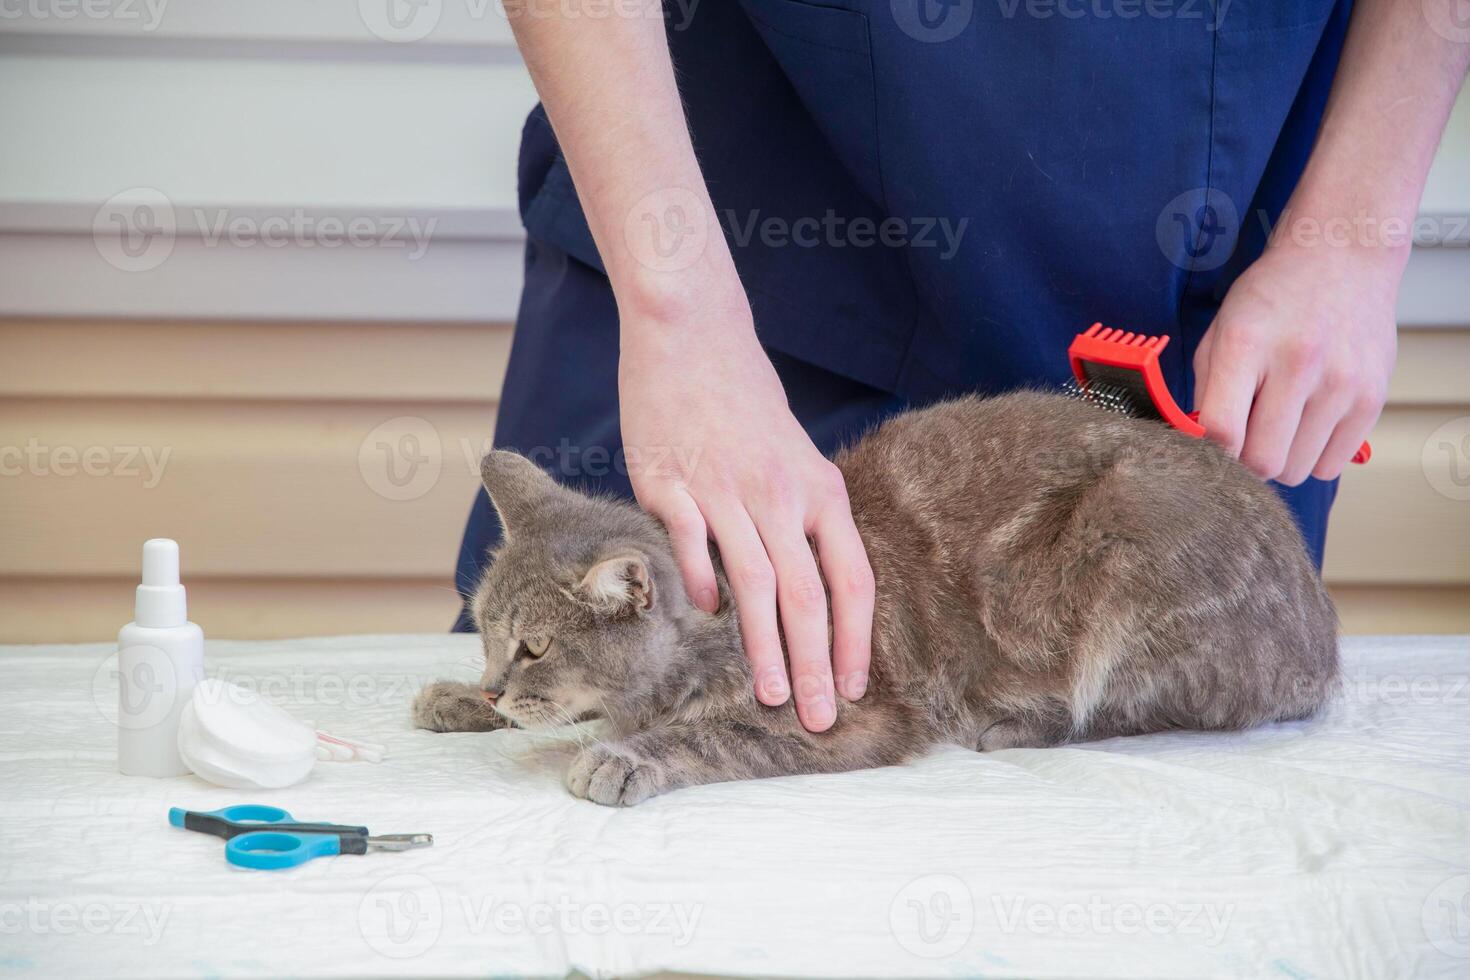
(271, 850)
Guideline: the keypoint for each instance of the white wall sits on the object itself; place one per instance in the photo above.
(315, 113)
(248, 361)
(262, 117)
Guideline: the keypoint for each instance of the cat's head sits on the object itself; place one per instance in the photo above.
(581, 607)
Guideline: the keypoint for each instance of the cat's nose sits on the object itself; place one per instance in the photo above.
(490, 693)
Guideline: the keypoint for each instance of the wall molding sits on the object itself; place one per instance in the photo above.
(342, 49)
(243, 262)
(203, 220)
(404, 26)
(67, 275)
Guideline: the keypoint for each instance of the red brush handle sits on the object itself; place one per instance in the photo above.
(1140, 352)
(1364, 453)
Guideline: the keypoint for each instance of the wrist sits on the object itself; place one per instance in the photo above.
(1360, 242)
(1348, 217)
(708, 294)
(688, 334)
(669, 261)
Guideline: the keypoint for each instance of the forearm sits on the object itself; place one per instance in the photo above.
(1395, 86)
(608, 87)
(1294, 370)
(711, 446)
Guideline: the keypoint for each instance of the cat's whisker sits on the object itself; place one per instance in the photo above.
(576, 726)
(606, 711)
(569, 721)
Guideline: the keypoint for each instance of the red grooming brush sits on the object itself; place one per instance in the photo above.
(1120, 371)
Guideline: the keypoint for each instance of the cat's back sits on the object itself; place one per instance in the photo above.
(1038, 440)
(976, 479)
(1032, 531)
(1017, 446)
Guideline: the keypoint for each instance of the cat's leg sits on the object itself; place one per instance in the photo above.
(632, 769)
(618, 773)
(1020, 733)
(453, 706)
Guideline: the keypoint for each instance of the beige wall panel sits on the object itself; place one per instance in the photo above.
(261, 447)
(1433, 368)
(1391, 525)
(392, 361)
(1402, 609)
(376, 361)
(90, 610)
(283, 488)
(249, 489)
(84, 610)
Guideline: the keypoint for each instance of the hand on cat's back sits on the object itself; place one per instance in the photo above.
(715, 452)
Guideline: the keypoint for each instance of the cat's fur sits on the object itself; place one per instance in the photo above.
(1046, 572)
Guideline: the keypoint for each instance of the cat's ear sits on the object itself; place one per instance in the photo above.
(516, 484)
(617, 585)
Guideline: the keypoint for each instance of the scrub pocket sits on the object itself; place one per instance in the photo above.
(825, 52)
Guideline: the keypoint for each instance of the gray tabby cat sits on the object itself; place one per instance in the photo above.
(1046, 572)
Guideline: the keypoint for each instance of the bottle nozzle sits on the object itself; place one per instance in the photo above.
(160, 599)
(160, 561)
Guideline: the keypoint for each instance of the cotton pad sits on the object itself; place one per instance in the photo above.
(231, 737)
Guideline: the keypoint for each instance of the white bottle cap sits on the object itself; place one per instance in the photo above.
(160, 600)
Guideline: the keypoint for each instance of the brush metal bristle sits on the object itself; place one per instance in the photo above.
(1113, 398)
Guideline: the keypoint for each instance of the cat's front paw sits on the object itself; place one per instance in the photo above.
(606, 775)
(452, 706)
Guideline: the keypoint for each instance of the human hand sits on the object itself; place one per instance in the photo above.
(1294, 370)
(714, 451)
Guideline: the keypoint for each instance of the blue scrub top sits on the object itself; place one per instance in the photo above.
(928, 197)
(934, 196)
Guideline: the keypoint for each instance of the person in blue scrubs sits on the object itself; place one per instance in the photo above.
(757, 228)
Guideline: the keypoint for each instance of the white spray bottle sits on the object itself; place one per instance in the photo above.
(160, 657)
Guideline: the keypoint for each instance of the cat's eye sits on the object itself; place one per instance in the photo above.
(538, 646)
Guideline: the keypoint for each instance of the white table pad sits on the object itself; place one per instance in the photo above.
(1334, 848)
